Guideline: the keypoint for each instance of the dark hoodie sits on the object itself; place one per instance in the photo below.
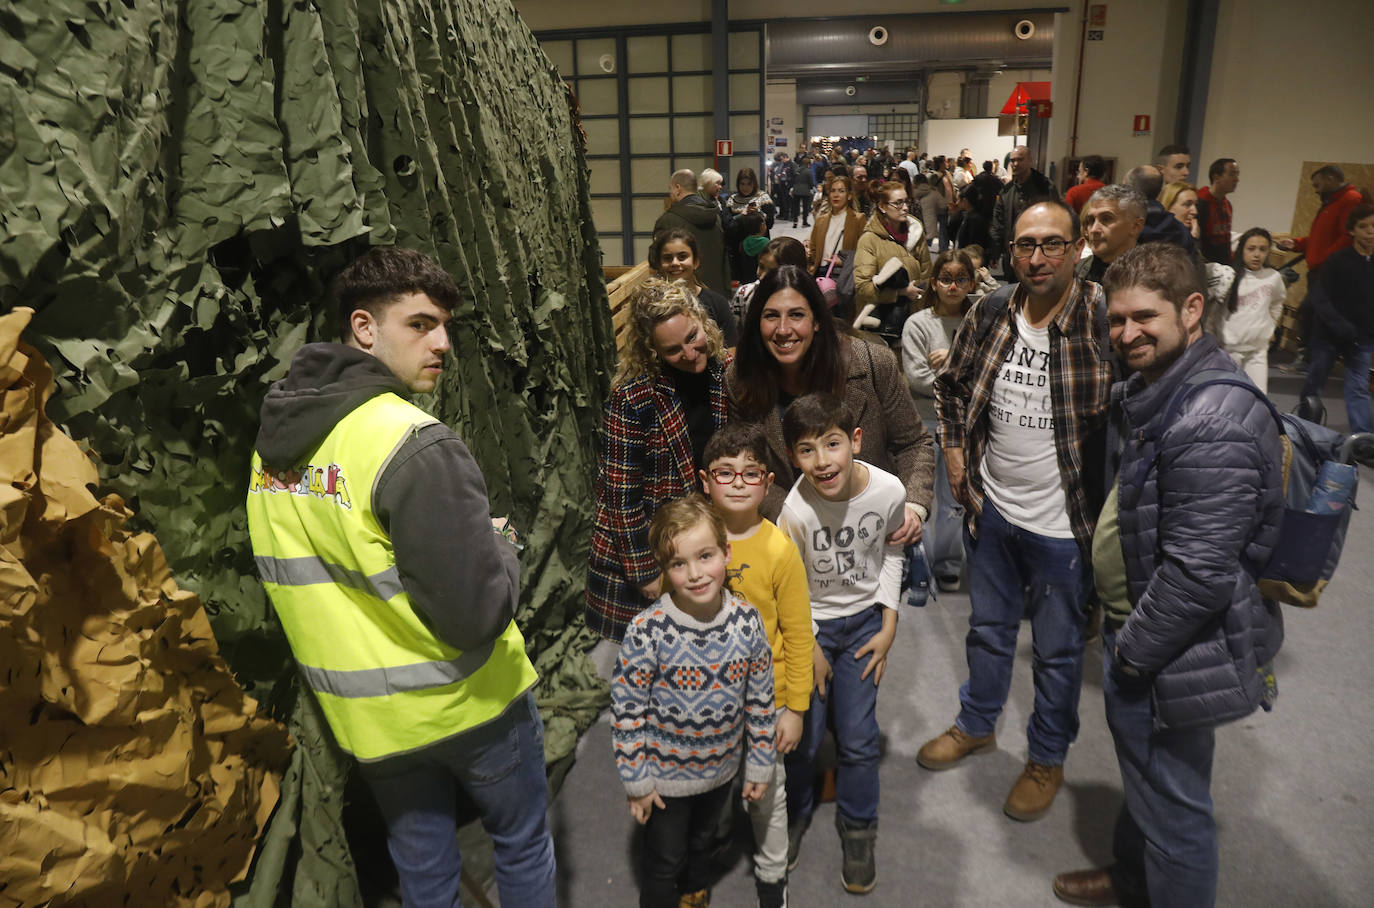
(702, 219)
(463, 579)
(1163, 227)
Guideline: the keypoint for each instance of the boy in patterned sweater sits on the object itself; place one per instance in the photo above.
(767, 571)
(693, 696)
(839, 514)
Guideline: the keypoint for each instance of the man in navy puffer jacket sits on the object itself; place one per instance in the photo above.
(1193, 517)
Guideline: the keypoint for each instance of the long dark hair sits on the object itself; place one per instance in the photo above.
(1238, 263)
(824, 366)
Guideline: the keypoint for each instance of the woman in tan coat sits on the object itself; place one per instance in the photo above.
(891, 233)
(837, 229)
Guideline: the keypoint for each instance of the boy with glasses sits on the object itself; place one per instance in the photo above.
(1022, 402)
(766, 570)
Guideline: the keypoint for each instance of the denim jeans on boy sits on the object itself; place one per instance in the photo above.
(500, 767)
(1166, 837)
(1357, 407)
(852, 704)
(677, 846)
(1012, 571)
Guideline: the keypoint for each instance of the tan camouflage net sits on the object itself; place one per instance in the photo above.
(133, 770)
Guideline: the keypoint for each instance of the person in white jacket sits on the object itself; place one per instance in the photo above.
(1254, 302)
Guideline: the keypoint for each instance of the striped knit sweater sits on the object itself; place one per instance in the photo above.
(689, 696)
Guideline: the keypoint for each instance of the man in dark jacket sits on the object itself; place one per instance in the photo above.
(1160, 225)
(1193, 516)
(370, 527)
(1027, 187)
(689, 211)
(1342, 301)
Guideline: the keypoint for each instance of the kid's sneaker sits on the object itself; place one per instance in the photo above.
(771, 895)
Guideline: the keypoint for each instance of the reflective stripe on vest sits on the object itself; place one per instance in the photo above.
(385, 683)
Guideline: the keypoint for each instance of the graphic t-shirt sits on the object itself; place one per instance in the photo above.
(849, 565)
(1020, 469)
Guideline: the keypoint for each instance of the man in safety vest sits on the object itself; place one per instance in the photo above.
(371, 531)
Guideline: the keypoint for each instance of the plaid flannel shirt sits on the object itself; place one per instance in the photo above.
(646, 460)
(1080, 391)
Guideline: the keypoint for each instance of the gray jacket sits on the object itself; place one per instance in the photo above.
(1198, 521)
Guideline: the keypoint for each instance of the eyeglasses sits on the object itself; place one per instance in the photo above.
(725, 476)
(900, 203)
(953, 281)
(1054, 248)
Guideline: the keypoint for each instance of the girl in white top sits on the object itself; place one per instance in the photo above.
(1253, 305)
(926, 336)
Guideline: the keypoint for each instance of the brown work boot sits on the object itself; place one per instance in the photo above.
(1034, 792)
(1091, 887)
(944, 751)
(699, 899)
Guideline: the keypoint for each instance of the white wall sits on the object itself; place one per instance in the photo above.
(1286, 88)
(980, 136)
(838, 125)
(780, 100)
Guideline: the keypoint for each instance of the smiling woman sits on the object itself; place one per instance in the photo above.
(668, 398)
(790, 346)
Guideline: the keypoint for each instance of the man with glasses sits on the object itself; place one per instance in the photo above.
(1022, 402)
(1027, 187)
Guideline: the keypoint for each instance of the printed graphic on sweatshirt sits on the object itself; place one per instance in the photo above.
(325, 483)
(836, 554)
(1020, 396)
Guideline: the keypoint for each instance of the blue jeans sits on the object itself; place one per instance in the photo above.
(500, 767)
(1357, 407)
(944, 530)
(1166, 838)
(852, 703)
(1004, 561)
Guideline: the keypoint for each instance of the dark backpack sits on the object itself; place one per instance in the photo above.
(1309, 545)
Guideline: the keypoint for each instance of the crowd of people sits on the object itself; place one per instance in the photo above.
(784, 463)
(888, 416)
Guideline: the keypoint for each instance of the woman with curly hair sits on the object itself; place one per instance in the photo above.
(667, 399)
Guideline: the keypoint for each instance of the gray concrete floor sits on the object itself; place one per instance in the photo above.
(1290, 786)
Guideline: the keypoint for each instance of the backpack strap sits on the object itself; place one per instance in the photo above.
(991, 308)
(1190, 386)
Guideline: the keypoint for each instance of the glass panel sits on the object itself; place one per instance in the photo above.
(589, 53)
(691, 52)
(692, 94)
(612, 249)
(560, 54)
(744, 129)
(603, 136)
(647, 55)
(648, 95)
(650, 174)
(692, 135)
(606, 214)
(605, 176)
(745, 91)
(649, 135)
(744, 50)
(597, 96)
(696, 163)
(646, 212)
(642, 248)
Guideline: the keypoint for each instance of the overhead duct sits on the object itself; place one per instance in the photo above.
(841, 47)
(842, 92)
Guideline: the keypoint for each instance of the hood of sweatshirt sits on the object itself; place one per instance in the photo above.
(325, 384)
(696, 211)
(1163, 227)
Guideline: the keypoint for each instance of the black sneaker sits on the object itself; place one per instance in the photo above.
(771, 895)
(795, 831)
(859, 873)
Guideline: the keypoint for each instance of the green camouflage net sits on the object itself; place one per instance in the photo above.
(178, 183)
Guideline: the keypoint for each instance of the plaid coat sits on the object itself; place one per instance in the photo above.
(646, 460)
(1080, 391)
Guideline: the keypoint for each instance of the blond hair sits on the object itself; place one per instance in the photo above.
(1171, 191)
(656, 301)
(682, 515)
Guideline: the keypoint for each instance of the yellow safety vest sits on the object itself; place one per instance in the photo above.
(386, 684)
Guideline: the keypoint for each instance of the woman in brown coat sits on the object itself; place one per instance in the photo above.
(790, 346)
(837, 229)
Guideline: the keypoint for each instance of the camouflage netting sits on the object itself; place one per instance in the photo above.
(178, 183)
(131, 761)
